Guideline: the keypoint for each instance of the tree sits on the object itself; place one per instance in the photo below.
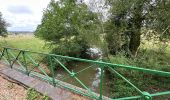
(3, 25)
(67, 25)
(129, 17)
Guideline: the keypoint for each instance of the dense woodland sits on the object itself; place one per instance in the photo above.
(130, 32)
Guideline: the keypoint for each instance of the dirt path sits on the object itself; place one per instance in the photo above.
(11, 91)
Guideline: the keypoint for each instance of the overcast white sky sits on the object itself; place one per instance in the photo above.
(23, 15)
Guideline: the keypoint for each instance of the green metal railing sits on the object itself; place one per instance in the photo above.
(22, 57)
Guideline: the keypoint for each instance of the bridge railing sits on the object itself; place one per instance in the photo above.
(34, 67)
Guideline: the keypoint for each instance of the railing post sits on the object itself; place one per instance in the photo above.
(16, 58)
(25, 62)
(52, 70)
(101, 82)
(8, 58)
(2, 53)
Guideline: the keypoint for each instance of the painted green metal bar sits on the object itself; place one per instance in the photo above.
(17, 60)
(129, 98)
(138, 97)
(62, 65)
(85, 69)
(2, 54)
(37, 65)
(8, 58)
(84, 86)
(118, 74)
(52, 70)
(74, 76)
(74, 90)
(5, 59)
(25, 63)
(160, 93)
(43, 71)
(59, 83)
(32, 60)
(65, 78)
(101, 83)
(32, 69)
(144, 95)
(145, 70)
(78, 72)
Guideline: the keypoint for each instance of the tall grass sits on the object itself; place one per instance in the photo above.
(28, 42)
(25, 42)
(153, 56)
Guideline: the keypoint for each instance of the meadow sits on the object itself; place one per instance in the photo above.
(26, 42)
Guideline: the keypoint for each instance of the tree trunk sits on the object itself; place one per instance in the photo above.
(136, 28)
(134, 42)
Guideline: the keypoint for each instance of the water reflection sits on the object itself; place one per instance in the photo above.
(90, 77)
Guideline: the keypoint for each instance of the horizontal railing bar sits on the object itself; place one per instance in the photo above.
(110, 65)
(137, 97)
(129, 98)
(145, 70)
(160, 93)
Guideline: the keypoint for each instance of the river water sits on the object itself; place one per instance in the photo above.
(90, 77)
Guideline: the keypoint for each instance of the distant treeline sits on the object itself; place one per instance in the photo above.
(20, 32)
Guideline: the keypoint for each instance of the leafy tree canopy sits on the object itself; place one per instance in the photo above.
(129, 17)
(3, 25)
(67, 24)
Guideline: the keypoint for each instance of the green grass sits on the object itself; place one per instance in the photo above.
(34, 95)
(149, 56)
(27, 42)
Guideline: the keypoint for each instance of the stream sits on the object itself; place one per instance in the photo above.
(90, 77)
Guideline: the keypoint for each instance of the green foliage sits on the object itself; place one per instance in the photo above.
(34, 95)
(129, 17)
(122, 89)
(147, 58)
(27, 42)
(150, 57)
(67, 25)
(3, 25)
